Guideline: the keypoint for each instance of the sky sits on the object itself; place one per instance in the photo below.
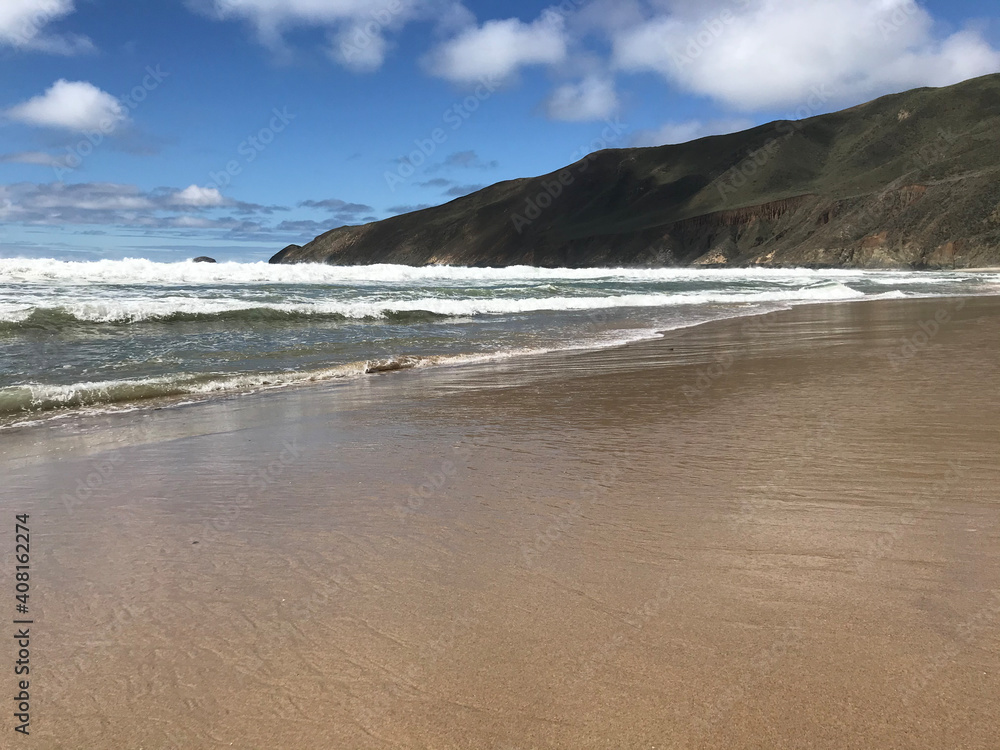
(176, 128)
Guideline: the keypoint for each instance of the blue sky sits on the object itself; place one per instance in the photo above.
(234, 127)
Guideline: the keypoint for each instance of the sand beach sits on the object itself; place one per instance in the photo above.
(768, 532)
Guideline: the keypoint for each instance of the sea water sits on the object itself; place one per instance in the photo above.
(114, 333)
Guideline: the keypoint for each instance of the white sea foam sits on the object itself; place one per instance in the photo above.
(141, 271)
(123, 394)
(137, 309)
(226, 342)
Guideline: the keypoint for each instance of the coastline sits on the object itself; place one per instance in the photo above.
(756, 532)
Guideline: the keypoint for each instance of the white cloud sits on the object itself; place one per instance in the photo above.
(765, 53)
(594, 98)
(271, 17)
(606, 15)
(54, 198)
(283, 11)
(71, 105)
(115, 204)
(358, 48)
(358, 28)
(192, 222)
(23, 22)
(497, 49)
(689, 130)
(199, 197)
(961, 56)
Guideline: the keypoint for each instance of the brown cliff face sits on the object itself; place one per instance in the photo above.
(864, 187)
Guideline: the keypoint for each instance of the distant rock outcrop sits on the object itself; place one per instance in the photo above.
(910, 180)
(204, 259)
(278, 257)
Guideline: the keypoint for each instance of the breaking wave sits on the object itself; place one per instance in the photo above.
(131, 271)
(188, 309)
(37, 397)
(92, 335)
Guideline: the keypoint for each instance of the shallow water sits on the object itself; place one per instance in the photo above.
(85, 335)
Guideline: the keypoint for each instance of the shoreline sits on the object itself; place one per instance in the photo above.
(335, 375)
(346, 373)
(751, 533)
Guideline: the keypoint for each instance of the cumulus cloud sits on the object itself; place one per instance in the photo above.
(194, 196)
(271, 18)
(191, 222)
(747, 54)
(689, 130)
(358, 48)
(71, 105)
(23, 26)
(83, 203)
(358, 29)
(498, 49)
(593, 98)
(755, 54)
(115, 204)
(157, 213)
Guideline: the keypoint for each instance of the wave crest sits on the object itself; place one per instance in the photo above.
(186, 309)
(132, 271)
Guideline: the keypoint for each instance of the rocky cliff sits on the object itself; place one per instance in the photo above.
(910, 180)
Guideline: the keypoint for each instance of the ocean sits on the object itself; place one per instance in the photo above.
(117, 334)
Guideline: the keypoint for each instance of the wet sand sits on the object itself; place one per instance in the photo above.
(774, 532)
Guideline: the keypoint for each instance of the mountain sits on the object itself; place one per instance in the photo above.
(909, 180)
